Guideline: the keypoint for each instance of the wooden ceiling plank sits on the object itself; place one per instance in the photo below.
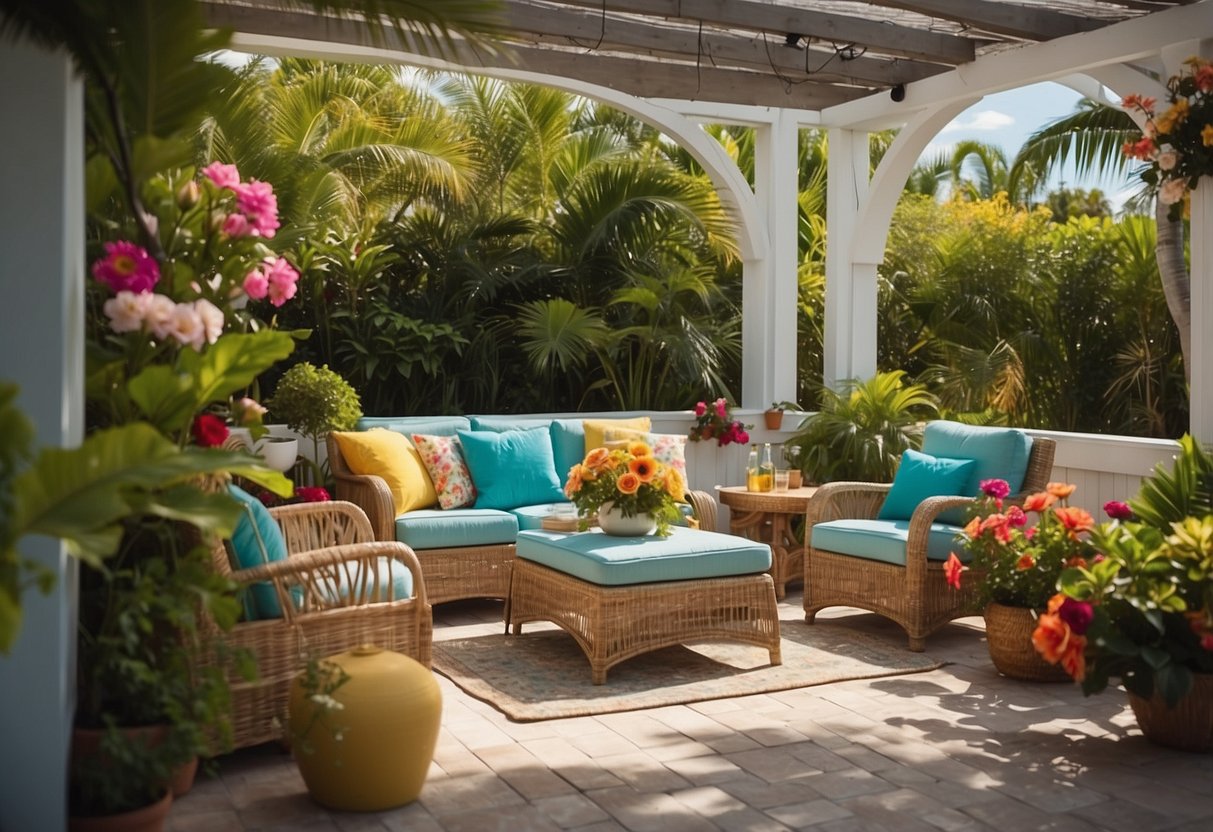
(901, 41)
(1035, 23)
(595, 32)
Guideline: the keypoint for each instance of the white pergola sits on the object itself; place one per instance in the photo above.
(846, 67)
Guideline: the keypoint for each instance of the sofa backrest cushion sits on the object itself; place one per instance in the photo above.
(595, 429)
(500, 424)
(568, 445)
(388, 454)
(442, 457)
(920, 476)
(999, 453)
(511, 469)
(256, 541)
(408, 425)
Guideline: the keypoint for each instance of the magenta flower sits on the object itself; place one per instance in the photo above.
(312, 494)
(722, 408)
(1117, 510)
(127, 267)
(236, 225)
(1077, 614)
(256, 284)
(1016, 517)
(700, 409)
(995, 488)
(282, 279)
(257, 202)
(743, 437)
(224, 176)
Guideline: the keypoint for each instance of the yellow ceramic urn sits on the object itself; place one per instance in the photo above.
(366, 745)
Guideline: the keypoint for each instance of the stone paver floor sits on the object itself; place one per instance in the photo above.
(958, 748)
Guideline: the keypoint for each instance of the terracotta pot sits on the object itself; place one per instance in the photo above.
(773, 419)
(375, 752)
(147, 819)
(613, 522)
(1188, 726)
(1009, 638)
(183, 778)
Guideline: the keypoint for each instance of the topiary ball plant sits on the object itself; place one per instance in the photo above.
(314, 401)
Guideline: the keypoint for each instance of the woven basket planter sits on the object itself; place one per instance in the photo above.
(1188, 726)
(1009, 637)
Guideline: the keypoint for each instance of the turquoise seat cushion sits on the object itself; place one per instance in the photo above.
(531, 517)
(512, 468)
(395, 581)
(999, 453)
(884, 540)
(568, 446)
(408, 425)
(430, 528)
(256, 541)
(920, 476)
(619, 561)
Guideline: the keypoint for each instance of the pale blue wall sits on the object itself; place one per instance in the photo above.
(41, 349)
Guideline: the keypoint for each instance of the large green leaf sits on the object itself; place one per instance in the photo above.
(164, 396)
(233, 362)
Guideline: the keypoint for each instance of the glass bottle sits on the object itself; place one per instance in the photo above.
(766, 470)
(751, 470)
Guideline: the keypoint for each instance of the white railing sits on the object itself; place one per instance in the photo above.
(1103, 467)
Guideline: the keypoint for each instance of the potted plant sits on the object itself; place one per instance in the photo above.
(314, 401)
(1141, 611)
(860, 431)
(1017, 554)
(630, 491)
(714, 421)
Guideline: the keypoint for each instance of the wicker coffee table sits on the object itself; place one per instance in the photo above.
(623, 596)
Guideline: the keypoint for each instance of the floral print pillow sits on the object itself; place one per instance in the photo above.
(668, 448)
(443, 459)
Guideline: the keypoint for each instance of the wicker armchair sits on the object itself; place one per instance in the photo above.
(915, 595)
(329, 544)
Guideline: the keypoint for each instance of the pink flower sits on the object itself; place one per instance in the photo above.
(721, 408)
(236, 225)
(159, 315)
(1117, 510)
(1172, 191)
(256, 201)
(1016, 517)
(185, 326)
(743, 437)
(995, 488)
(127, 311)
(312, 494)
(256, 284)
(282, 279)
(212, 319)
(1077, 614)
(224, 176)
(127, 267)
(1203, 76)
(248, 411)
(701, 409)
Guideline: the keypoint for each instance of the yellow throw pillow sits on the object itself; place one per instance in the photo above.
(385, 453)
(595, 429)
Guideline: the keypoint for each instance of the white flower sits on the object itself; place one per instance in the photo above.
(185, 326)
(127, 310)
(1168, 158)
(1172, 191)
(211, 317)
(327, 702)
(159, 315)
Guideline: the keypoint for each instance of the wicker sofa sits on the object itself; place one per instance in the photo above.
(476, 565)
(328, 544)
(853, 559)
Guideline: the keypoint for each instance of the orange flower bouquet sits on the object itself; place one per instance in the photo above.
(632, 480)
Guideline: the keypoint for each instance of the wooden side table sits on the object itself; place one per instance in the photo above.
(766, 516)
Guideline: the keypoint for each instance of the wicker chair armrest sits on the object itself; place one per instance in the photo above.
(931, 507)
(309, 526)
(846, 500)
(704, 505)
(319, 571)
(371, 494)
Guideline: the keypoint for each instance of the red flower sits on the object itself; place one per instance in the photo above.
(1117, 510)
(1076, 614)
(312, 494)
(209, 430)
(1025, 562)
(952, 569)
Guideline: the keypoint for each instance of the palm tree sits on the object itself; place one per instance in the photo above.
(1095, 134)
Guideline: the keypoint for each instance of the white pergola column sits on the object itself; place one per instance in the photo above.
(41, 350)
(849, 341)
(769, 285)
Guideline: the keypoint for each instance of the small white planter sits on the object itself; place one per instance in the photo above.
(279, 452)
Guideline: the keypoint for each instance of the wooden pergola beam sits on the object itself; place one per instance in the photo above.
(1034, 23)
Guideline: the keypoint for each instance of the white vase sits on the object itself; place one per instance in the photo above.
(613, 522)
(279, 452)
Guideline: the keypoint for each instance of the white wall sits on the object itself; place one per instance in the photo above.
(41, 349)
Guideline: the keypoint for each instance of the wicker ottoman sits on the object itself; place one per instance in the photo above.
(623, 596)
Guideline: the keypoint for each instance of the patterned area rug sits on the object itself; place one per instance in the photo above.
(543, 674)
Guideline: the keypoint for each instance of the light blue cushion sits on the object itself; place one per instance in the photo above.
(256, 541)
(511, 469)
(617, 561)
(431, 528)
(1000, 453)
(500, 424)
(884, 540)
(568, 446)
(395, 582)
(408, 425)
(920, 476)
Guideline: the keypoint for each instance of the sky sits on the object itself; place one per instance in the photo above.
(1007, 119)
